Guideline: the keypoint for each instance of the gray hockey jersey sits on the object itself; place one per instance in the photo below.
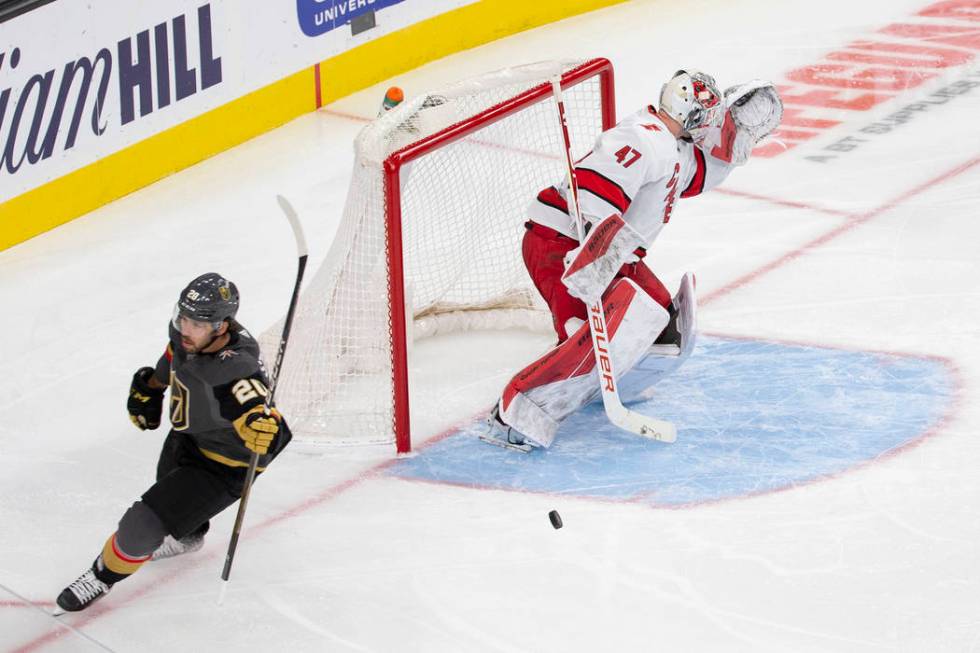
(209, 391)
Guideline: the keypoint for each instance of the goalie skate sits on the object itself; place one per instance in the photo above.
(678, 338)
(669, 351)
(669, 342)
(499, 434)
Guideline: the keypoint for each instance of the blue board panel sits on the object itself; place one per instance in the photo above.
(752, 417)
(321, 16)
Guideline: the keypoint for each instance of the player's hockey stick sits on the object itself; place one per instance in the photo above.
(618, 414)
(253, 462)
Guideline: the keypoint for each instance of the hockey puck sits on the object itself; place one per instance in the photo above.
(555, 519)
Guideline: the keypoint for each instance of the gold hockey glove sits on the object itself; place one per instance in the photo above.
(257, 430)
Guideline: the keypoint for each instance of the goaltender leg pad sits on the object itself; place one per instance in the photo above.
(661, 360)
(551, 388)
(644, 277)
(590, 267)
(686, 302)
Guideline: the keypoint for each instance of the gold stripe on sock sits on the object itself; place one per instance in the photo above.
(118, 562)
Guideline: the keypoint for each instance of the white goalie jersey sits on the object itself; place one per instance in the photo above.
(638, 170)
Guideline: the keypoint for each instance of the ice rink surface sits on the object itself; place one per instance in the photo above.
(823, 491)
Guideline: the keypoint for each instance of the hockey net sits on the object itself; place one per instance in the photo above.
(430, 241)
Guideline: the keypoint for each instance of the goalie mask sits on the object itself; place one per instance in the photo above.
(693, 99)
(208, 298)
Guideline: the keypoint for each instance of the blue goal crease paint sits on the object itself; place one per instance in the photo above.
(753, 417)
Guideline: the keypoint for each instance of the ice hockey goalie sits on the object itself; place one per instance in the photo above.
(628, 187)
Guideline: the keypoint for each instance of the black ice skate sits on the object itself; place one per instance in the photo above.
(82, 593)
(668, 343)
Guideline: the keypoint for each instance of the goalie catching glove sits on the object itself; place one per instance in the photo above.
(145, 404)
(756, 110)
(257, 430)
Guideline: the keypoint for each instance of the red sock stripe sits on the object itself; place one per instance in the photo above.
(603, 188)
(697, 182)
(126, 558)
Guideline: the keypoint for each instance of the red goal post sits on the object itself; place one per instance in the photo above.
(435, 213)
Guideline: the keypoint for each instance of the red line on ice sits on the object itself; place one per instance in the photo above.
(102, 609)
(21, 604)
(781, 202)
(855, 221)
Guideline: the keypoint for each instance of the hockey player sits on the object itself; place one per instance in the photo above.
(628, 185)
(217, 391)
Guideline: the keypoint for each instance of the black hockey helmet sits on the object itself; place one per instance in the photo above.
(208, 298)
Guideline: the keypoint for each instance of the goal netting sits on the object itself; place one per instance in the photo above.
(430, 241)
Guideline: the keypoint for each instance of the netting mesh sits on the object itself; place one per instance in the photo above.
(463, 208)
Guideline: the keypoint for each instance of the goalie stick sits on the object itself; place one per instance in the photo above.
(253, 462)
(618, 414)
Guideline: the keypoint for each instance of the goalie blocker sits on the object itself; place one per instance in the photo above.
(569, 275)
(592, 265)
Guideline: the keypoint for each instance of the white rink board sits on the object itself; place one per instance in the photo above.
(151, 66)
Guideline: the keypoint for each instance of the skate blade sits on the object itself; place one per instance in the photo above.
(57, 610)
(524, 448)
(664, 350)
